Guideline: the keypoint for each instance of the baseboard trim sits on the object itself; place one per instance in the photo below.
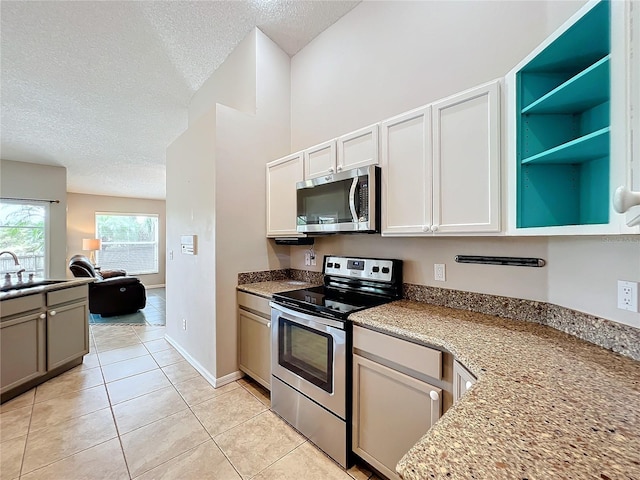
(215, 382)
(151, 287)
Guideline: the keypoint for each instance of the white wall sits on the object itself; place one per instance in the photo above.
(81, 223)
(191, 282)
(383, 58)
(245, 143)
(584, 273)
(233, 84)
(43, 182)
(216, 188)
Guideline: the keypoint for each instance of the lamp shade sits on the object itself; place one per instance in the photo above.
(91, 244)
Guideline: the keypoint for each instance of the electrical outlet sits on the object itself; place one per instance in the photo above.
(184, 323)
(307, 258)
(628, 295)
(439, 272)
(313, 259)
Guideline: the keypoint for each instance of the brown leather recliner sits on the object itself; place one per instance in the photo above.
(113, 292)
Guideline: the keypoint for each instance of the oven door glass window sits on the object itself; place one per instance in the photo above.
(306, 352)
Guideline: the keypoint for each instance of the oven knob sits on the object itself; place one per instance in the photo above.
(375, 269)
(385, 269)
(337, 265)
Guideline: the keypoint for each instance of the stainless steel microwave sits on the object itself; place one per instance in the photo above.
(348, 201)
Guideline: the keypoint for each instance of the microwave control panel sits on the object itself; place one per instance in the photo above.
(365, 268)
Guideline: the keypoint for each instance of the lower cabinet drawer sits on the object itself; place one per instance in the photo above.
(419, 358)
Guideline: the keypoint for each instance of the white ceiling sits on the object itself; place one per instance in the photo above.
(102, 87)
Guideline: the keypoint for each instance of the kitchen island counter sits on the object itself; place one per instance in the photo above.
(546, 404)
(30, 288)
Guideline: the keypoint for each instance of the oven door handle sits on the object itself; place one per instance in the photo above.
(304, 319)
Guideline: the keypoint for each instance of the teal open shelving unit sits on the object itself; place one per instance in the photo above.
(563, 127)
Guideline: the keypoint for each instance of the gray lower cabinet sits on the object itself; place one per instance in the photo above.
(67, 326)
(393, 405)
(22, 342)
(254, 337)
(41, 335)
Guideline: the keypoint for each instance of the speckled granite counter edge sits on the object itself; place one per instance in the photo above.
(614, 336)
(283, 274)
(63, 283)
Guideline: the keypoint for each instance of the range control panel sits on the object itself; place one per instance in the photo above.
(365, 268)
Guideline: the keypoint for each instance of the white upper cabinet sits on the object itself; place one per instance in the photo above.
(466, 161)
(320, 160)
(441, 166)
(358, 149)
(570, 126)
(406, 162)
(353, 150)
(282, 176)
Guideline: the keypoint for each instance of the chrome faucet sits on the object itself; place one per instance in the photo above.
(7, 277)
(15, 257)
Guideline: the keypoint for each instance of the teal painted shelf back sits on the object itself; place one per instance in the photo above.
(563, 127)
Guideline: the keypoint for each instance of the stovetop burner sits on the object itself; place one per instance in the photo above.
(350, 285)
(328, 301)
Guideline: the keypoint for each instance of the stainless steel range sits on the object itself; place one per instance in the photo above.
(311, 347)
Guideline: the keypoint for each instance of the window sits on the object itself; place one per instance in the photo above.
(129, 241)
(24, 231)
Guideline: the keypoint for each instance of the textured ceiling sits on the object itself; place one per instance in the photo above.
(102, 87)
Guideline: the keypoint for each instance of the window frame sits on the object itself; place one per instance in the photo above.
(132, 214)
(46, 205)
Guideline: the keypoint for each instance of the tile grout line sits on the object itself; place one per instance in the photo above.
(285, 455)
(115, 424)
(26, 440)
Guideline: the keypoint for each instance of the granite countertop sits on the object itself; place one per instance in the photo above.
(36, 288)
(267, 289)
(546, 404)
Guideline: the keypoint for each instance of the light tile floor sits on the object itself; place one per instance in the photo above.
(136, 409)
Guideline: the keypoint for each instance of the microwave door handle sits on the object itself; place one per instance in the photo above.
(352, 200)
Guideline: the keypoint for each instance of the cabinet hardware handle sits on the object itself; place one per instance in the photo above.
(467, 385)
(339, 168)
(331, 170)
(52, 313)
(426, 228)
(268, 324)
(624, 199)
(434, 228)
(434, 395)
(43, 316)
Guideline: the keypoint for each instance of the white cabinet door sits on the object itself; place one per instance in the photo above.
(466, 161)
(282, 176)
(320, 160)
(358, 149)
(406, 161)
(391, 412)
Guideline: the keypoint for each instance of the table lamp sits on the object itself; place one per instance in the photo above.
(92, 244)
